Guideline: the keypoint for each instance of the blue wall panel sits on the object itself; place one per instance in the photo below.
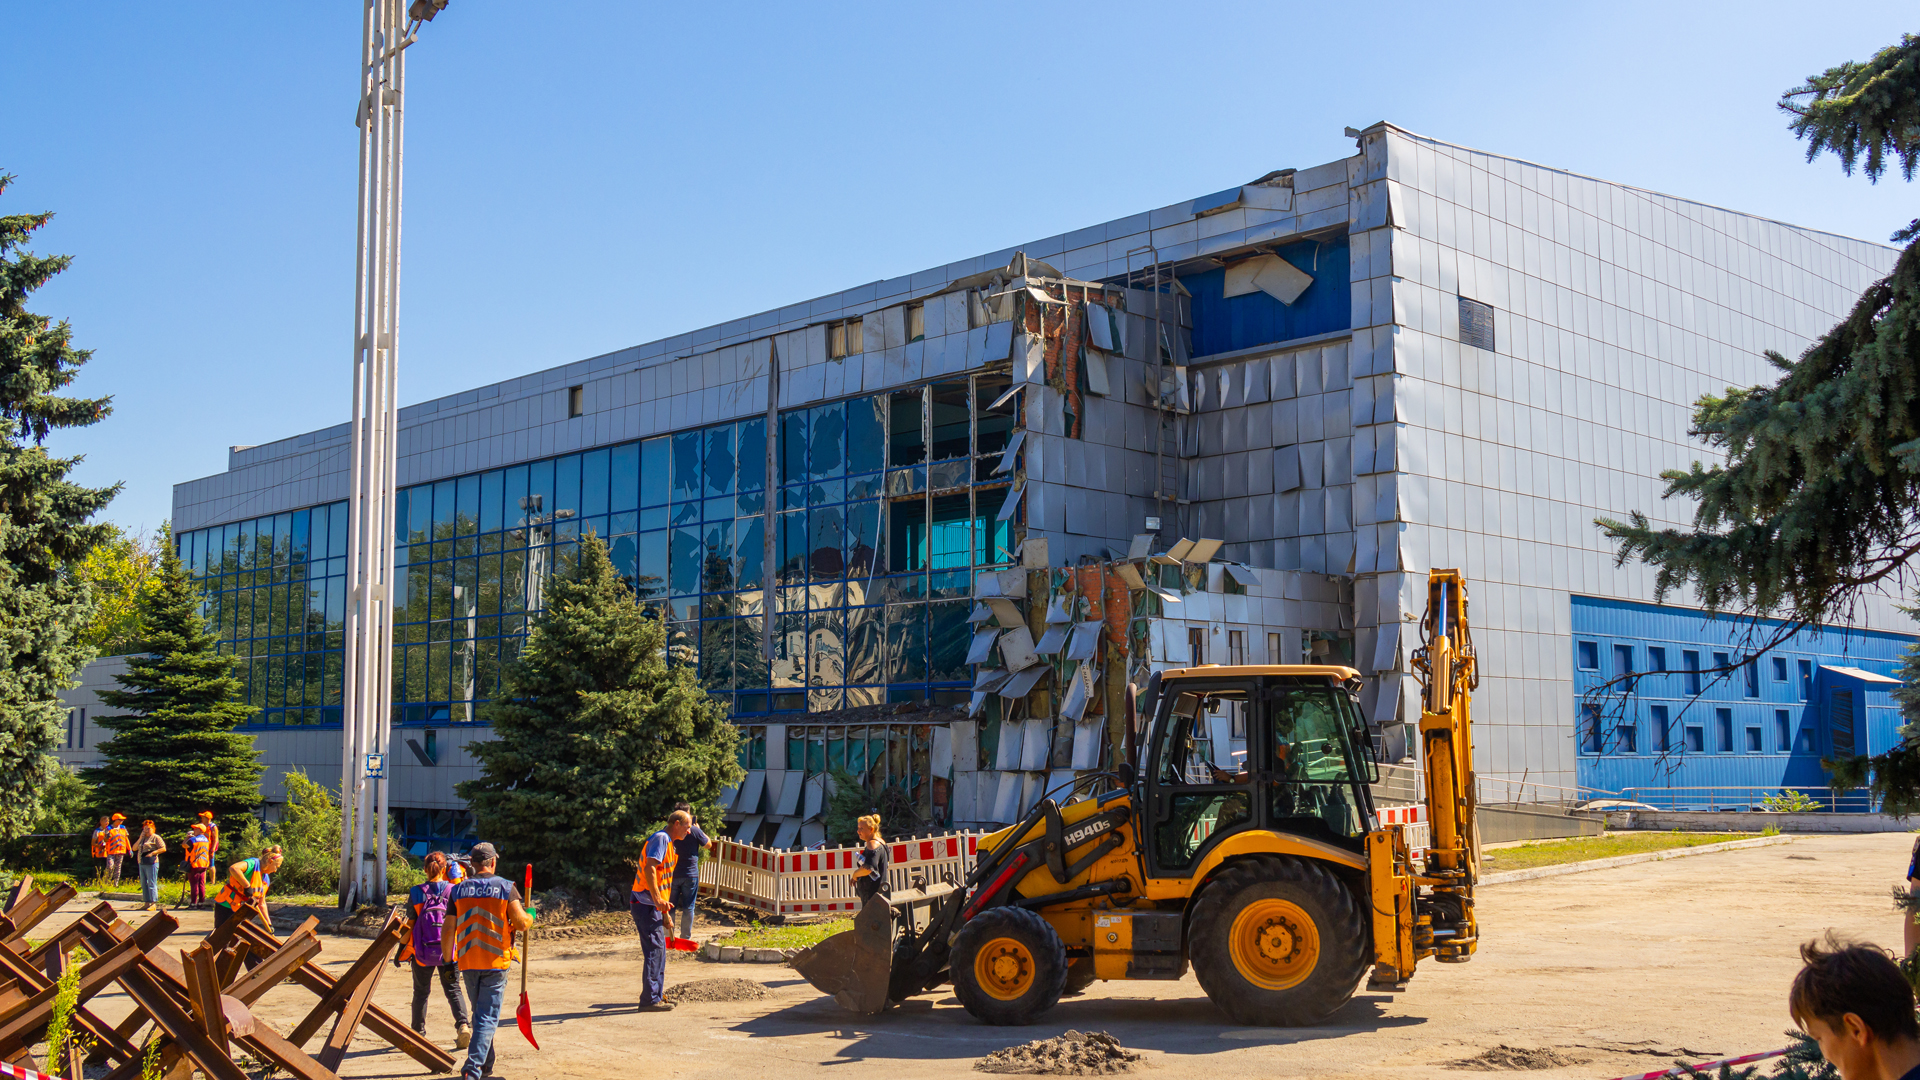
(1223, 324)
(1722, 731)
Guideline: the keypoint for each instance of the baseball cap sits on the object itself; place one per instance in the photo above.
(482, 852)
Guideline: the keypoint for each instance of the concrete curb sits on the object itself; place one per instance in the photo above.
(717, 953)
(1629, 860)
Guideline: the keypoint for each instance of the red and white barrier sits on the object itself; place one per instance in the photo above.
(16, 1072)
(1680, 1070)
(1413, 819)
(821, 882)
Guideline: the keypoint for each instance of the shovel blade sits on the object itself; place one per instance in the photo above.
(854, 966)
(524, 1017)
(683, 944)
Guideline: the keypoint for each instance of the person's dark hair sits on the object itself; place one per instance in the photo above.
(1861, 979)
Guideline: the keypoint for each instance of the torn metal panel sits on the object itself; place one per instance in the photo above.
(1022, 684)
(1095, 362)
(1059, 608)
(1080, 691)
(1012, 452)
(1203, 550)
(1052, 641)
(1088, 744)
(982, 648)
(1244, 574)
(942, 753)
(1016, 648)
(1215, 203)
(987, 680)
(1012, 502)
(981, 613)
(1130, 574)
(751, 789)
(1176, 554)
(789, 802)
(1086, 636)
(816, 793)
(977, 704)
(1033, 553)
(1029, 359)
(1006, 799)
(1141, 547)
(1036, 743)
(1099, 326)
(1286, 469)
(1011, 584)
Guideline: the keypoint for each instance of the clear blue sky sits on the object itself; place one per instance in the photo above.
(586, 176)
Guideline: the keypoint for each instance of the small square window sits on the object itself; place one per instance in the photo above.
(1476, 324)
(1589, 656)
(1626, 739)
(916, 322)
(846, 338)
(1696, 739)
(1779, 669)
(1622, 660)
(576, 401)
(1691, 661)
(1754, 744)
(1656, 658)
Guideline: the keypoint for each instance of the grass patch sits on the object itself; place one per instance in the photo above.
(788, 937)
(1583, 848)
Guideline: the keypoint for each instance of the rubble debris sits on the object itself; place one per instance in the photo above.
(705, 990)
(1505, 1058)
(1073, 1053)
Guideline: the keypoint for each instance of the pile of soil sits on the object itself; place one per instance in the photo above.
(704, 990)
(1094, 1053)
(1507, 1058)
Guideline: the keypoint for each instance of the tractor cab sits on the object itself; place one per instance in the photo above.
(1304, 772)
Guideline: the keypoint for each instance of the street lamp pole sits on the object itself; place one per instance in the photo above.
(367, 688)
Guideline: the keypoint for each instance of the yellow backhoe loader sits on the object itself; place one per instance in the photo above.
(1275, 882)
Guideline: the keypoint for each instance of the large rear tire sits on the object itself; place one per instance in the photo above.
(1278, 942)
(1008, 966)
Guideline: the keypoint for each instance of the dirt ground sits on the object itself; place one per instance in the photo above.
(1613, 971)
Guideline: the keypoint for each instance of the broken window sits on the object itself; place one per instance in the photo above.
(576, 400)
(950, 421)
(1476, 324)
(951, 536)
(995, 418)
(1236, 646)
(1196, 646)
(907, 535)
(906, 431)
(916, 322)
(866, 435)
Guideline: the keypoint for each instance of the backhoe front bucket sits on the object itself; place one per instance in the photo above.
(855, 965)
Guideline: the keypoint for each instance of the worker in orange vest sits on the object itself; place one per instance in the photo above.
(651, 904)
(213, 833)
(102, 844)
(118, 845)
(486, 913)
(246, 887)
(199, 853)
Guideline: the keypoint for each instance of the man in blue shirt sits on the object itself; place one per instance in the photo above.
(651, 903)
(686, 872)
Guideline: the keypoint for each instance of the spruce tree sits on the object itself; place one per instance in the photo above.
(596, 735)
(1818, 498)
(44, 605)
(174, 752)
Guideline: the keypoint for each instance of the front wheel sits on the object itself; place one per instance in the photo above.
(1278, 942)
(1008, 966)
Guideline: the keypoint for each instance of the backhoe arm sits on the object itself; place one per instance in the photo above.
(1448, 675)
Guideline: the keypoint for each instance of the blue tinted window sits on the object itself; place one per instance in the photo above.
(595, 481)
(1657, 721)
(718, 469)
(1723, 730)
(686, 466)
(1622, 660)
(1691, 660)
(1589, 656)
(753, 455)
(1656, 658)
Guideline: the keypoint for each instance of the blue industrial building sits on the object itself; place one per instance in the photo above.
(1658, 708)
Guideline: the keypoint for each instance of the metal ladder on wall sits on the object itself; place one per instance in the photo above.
(1157, 280)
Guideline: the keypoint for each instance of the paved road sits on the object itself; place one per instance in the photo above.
(1624, 968)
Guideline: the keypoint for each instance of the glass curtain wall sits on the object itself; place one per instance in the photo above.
(880, 508)
(276, 596)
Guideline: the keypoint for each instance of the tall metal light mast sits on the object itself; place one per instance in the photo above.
(389, 26)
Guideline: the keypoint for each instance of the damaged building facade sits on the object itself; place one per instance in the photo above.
(926, 532)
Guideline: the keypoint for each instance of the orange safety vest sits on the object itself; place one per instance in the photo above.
(482, 934)
(102, 841)
(199, 852)
(240, 891)
(117, 841)
(641, 884)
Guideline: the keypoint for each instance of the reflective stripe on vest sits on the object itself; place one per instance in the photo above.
(254, 884)
(482, 934)
(640, 884)
(199, 853)
(117, 841)
(101, 844)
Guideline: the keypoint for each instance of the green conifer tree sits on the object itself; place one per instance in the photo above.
(596, 735)
(174, 752)
(44, 605)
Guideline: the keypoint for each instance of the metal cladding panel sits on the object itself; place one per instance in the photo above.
(1224, 324)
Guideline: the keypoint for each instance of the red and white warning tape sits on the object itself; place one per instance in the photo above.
(15, 1072)
(1679, 1070)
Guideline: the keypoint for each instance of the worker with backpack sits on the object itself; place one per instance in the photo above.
(431, 951)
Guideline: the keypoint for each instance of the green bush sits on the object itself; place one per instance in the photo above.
(309, 833)
(63, 826)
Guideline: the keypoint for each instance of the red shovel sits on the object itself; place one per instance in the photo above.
(524, 1014)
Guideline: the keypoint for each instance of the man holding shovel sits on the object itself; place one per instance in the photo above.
(487, 912)
(652, 905)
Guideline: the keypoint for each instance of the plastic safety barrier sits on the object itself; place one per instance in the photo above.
(810, 882)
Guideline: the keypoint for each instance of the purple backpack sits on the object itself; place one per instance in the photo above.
(427, 924)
